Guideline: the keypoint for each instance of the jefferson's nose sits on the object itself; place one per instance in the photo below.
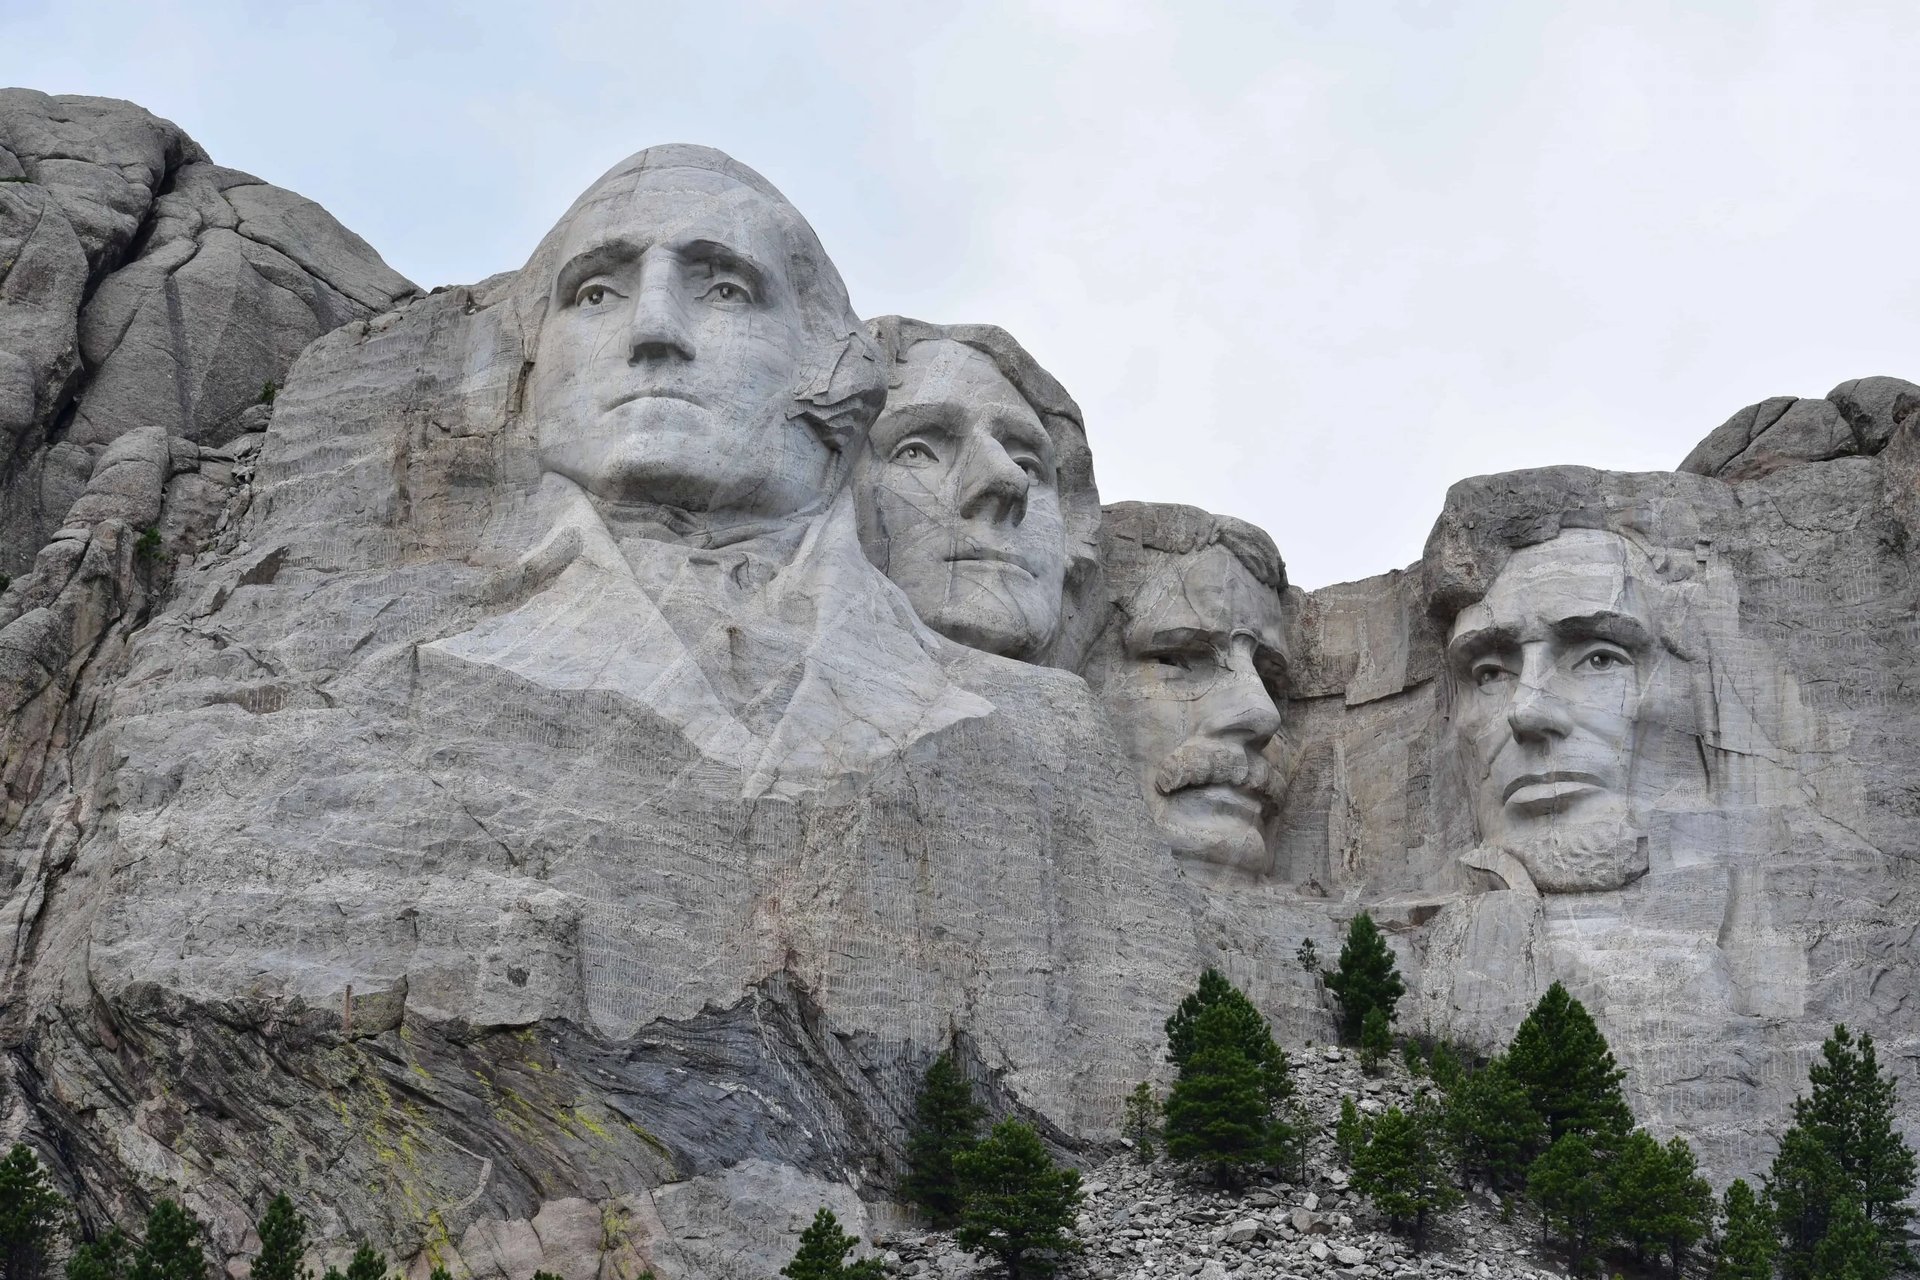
(659, 329)
(1240, 705)
(992, 484)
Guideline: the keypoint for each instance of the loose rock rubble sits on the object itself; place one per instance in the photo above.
(1144, 1222)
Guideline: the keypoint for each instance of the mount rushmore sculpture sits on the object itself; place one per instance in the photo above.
(541, 779)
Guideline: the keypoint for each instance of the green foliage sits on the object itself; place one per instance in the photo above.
(369, 1264)
(33, 1216)
(1416, 1063)
(946, 1122)
(269, 391)
(1491, 1124)
(1445, 1068)
(171, 1249)
(441, 1273)
(1366, 979)
(1223, 1113)
(823, 1251)
(545, 1275)
(1240, 1024)
(1747, 1245)
(102, 1259)
(1376, 1041)
(1568, 1183)
(283, 1240)
(1842, 1146)
(1397, 1165)
(1571, 1079)
(1659, 1201)
(1142, 1123)
(1852, 1248)
(1308, 956)
(147, 546)
(1018, 1205)
(5, 581)
(1348, 1133)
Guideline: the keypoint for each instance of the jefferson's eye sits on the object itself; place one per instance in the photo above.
(1603, 660)
(1033, 468)
(726, 291)
(914, 453)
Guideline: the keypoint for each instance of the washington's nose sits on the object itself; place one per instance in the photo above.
(993, 485)
(1241, 705)
(1536, 714)
(659, 330)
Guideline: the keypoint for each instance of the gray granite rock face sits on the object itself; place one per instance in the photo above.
(543, 788)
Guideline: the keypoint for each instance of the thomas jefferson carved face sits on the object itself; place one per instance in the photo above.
(671, 347)
(959, 502)
(1191, 670)
(1570, 709)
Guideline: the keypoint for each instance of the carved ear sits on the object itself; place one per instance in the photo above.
(842, 391)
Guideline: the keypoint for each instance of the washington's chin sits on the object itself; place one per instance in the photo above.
(1218, 825)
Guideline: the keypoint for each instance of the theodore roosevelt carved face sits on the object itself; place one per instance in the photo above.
(1570, 708)
(687, 305)
(959, 497)
(1191, 668)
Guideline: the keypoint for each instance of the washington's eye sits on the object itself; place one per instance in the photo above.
(592, 295)
(1177, 661)
(727, 291)
(915, 453)
(1603, 660)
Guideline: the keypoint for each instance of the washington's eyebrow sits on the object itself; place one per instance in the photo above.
(1621, 628)
(590, 262)
(725, 257)
(1469, 645)
(1156, 639)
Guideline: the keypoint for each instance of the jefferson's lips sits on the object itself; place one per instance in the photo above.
(1554, 785)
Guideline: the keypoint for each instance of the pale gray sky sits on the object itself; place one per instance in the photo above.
(1303, 263)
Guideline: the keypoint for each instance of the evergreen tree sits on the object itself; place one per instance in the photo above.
(1568, 1183)
(1445, 1068)
(1843, 1146)
(1747, 1244)
(1376, 1042)
(1491, 1125)
(171, 1249)
(1142, 1123)
(1366, 978)
(1221, 1113)
(1852, 1248)
(823, 1251)
(946, 1122)
(1348, 1133)
(1397, 1166)
(368, 1263)
(283, 1241)
(1658, 1201)
(1239, 1023)
(1571, 1079)
(102, 1259)
(33, 1216)
(1415, 1060)
(1018, 1206)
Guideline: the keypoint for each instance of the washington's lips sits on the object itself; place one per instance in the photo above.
(1550, 788)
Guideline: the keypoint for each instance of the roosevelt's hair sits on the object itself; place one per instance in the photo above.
(1172, 529)
(841, 384)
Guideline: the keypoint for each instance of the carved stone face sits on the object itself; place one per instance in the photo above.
(1193, 691)
(1567, 707)
(667, 362)
(959, 502)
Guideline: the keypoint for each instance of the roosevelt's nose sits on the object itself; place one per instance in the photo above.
(992, 484)
(1239, 705)
(659, 329)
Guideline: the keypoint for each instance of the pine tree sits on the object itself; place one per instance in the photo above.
(103, 1259)
(1491, 1125)
(1221, 1114)
(1348, 1133)
(368, 1263)
(1747, 1245)
(171, 1249)
(946, 1123)
(1571, 1079)
(1852, 1248)
(1142, 1123)
(1397, 1166)
(1445, 1068)
(1242, 1025)
(1366, 978)
(1376, 1042)
(823, 1251)
(1843, 1145)
(1568, 1183)
(1018, 1205)
(283, 1241)
(33, 1216)
(1657, 1200)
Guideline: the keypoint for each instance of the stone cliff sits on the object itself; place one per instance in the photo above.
(537, 770)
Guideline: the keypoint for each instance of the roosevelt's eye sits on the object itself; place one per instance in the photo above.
(593, 294)
(1603, 660)
(914, 453)
(726, 291)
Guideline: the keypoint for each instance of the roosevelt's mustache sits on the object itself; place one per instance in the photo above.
(1205, 764)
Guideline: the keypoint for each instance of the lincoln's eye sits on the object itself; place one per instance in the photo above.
(1488, 672)
(1605, 660)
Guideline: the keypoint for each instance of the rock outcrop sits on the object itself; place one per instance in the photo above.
(540, 785)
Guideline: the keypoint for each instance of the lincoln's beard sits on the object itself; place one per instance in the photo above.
(1583, 857)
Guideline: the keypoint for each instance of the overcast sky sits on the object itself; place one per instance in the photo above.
(1302, 263)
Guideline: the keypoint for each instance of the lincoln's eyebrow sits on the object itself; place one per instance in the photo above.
(1621, 628)
(724, 257)
(590, 262)
(1468, 645)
